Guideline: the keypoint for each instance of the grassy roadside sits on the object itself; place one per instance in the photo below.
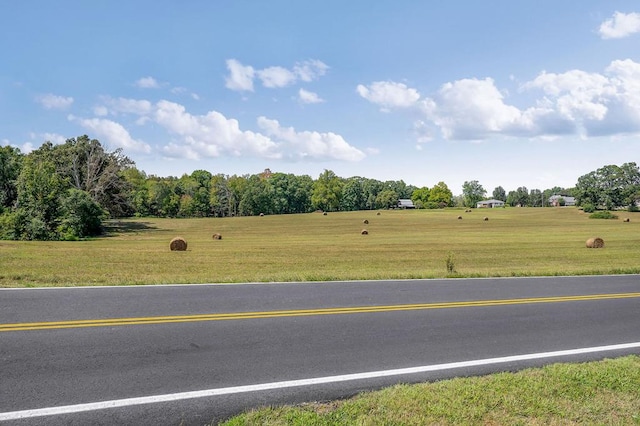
(597, 393)
(315, 247)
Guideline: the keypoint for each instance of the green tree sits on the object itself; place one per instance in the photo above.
(535, 198)
(81, 216)
(327, 191)
(387, 199)
(519, 197)
(10, 165)
(499, 194)
(441, 195)
(473, 193)
(40, 190)
(420, 197)
(609, 187)
(353, 197)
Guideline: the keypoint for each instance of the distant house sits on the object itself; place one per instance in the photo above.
(405, 204)
(554, 200)
(490, 204)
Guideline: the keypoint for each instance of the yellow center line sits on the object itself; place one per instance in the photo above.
(111, 322)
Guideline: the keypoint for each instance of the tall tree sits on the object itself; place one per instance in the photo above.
(441, 195)
(327, 190)
(499, 194)
(10, 164)
(610, 186)
(473, 193)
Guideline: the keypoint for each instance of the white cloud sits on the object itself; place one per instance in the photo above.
(574, 102)
(113, 133)
(147, 83)
(310, 145)
(211, 135)
(51, 101)
(310, 70)
(53, 138)
(128, 106)
(620, 25)
(274, 77)
(240, 77)
(388, 94)
(307, 97)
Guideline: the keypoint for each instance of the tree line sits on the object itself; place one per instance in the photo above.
(66, 191)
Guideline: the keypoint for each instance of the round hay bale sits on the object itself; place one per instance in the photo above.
(261, 214)
(626, 219)
(459, 217)
(178, 244)
(595, 242)
(486, 218)
(365, 221)
(364, 232)
(324, 213)
(217, 236)
(378, 214)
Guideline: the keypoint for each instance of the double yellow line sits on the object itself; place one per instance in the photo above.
(113, 322)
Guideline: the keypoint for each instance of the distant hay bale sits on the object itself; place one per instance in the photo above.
(486, 218)
(626, 219)
(324, 213)
(178, 244)
(365, 221)
(459, 217)
(378, 214)
(595, 242)
(217, 236)
(261, 214)
(364, 232)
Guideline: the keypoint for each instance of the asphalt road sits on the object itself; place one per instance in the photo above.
(129, 355)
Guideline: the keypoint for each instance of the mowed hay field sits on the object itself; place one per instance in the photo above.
(400, 244)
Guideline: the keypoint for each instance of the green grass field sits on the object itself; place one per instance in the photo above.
(312, 247)
(596, 393)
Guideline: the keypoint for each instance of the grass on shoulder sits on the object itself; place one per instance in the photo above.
(400, 244)
(605, 393)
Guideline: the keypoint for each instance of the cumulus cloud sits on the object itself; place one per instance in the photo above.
(574, 102)
(620, 25)
(51, 101)
(307, 97)
(212, 134)
(388, 94)
(113, 133)
(147, 83)
(310, 145)
(241, 77)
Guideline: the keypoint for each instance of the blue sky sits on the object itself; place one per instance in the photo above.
(509, 93)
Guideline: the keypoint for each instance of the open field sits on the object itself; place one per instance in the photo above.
(596, 393)
(311, 247)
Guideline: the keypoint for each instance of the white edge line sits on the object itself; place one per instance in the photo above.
(78, 408)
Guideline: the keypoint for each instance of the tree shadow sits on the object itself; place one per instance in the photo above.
(115, 227)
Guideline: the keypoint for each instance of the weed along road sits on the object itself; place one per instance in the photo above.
(196, 354)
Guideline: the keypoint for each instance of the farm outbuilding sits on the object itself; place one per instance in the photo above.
(406, 204)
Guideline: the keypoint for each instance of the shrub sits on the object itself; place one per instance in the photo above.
(589, 208)
(603, 215)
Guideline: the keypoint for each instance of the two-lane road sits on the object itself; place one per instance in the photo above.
(199, 353)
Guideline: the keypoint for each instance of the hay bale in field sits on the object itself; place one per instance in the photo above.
(178, 244)
(217, 236)
(626, 219)
(365, 221)
(378, 214)
(595, 242)
(486, 218)
(364, 232)
(261, 214)
(324, 213)
(459, 217)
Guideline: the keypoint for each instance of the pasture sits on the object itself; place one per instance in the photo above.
(400, 244)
